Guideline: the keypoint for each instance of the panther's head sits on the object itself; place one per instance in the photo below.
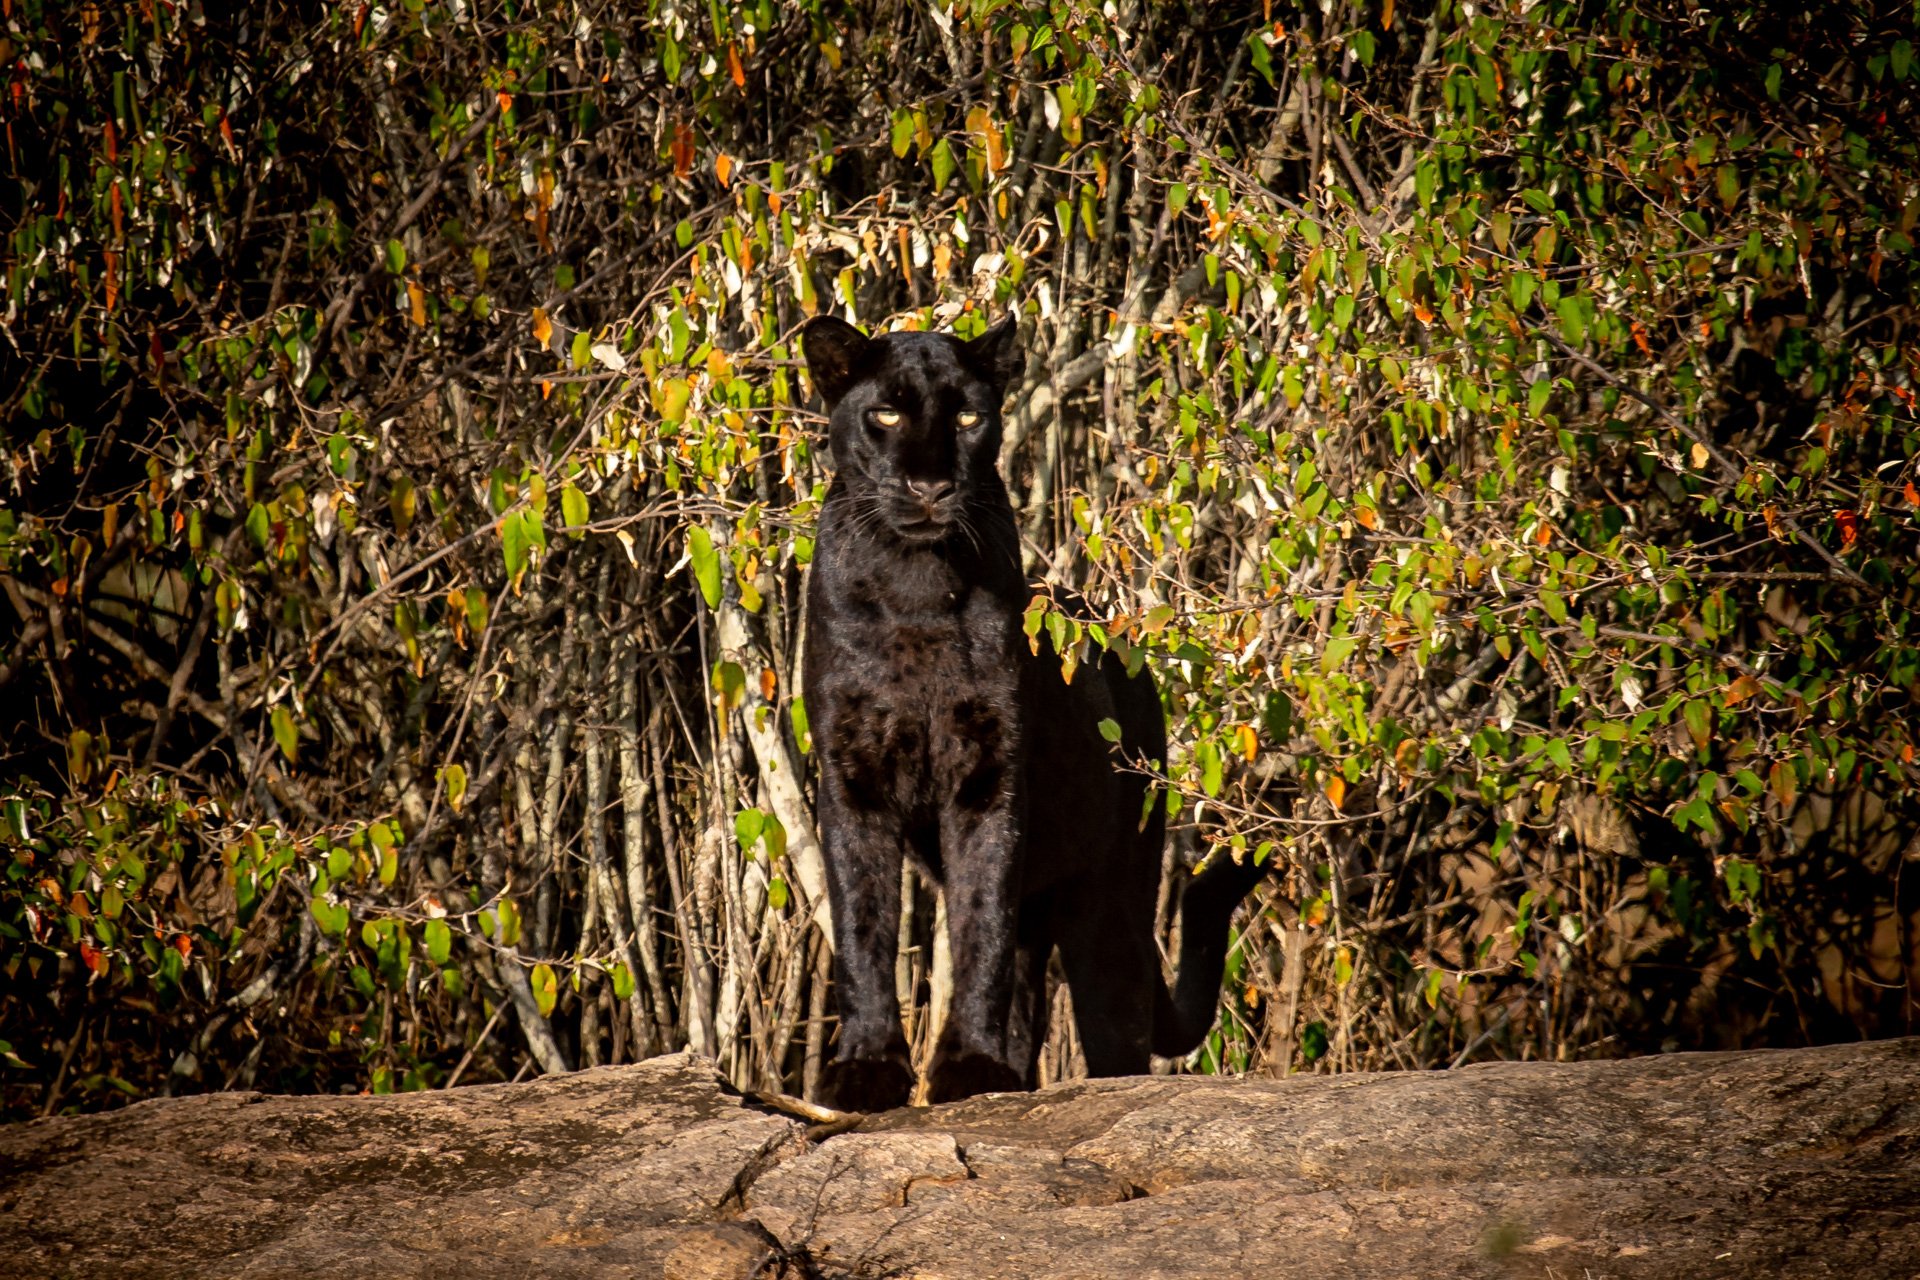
(914, 418)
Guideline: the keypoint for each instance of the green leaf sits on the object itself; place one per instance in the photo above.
(747, 825)
(1699, 717)
(259, 525)
(622, 981)
(439, 941)
(573, 511)
(396, 257)
(706, 564)
(778, 894)
(1538, 393)
(1210, 767)
(802, 731)
(942, 161)
(545, 989)
(331, 917)
(515, 546)
(455, 778)
(1110, 730)
(285, 733)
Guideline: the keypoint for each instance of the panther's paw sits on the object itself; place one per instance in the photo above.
(961, 1075)
(866, 1084)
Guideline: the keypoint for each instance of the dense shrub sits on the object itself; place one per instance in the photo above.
(1494, 424)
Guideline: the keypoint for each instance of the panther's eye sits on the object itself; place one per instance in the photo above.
(884, 417)
(967, 419)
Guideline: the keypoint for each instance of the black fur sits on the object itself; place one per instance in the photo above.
(943, 739)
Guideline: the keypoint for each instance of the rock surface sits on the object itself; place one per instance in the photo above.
(1802, 1163)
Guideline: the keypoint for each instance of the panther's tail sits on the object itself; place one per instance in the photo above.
(1182, 1019)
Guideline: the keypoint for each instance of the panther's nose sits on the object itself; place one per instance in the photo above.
(930, 491)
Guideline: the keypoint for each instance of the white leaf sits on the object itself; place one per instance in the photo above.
(609, 355)
(1630, 691)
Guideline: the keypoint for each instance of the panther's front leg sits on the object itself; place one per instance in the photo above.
(872, 1069)
(980, 849)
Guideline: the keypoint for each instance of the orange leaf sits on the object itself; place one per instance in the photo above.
(734, 69)
(1783, 783)
(1246, 742)
(1423, 313)
(1386, 16)
(417, 297)
(942, 259)
(1640, 338)
(546, 388)
(1365, 518)
(1912, 495)
(1849, 523)
(94, 958)
(1543, 533)
(505, 100)
(542, 327)
(1772, 515)
(723, 168)
(682, 149)
(769, 683)
(1742, 689)
(1336, 790)
(184, 945)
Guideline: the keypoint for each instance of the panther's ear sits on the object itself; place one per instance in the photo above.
(833, 348)
(996, 354)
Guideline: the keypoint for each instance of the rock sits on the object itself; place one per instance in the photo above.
(725, 1251)
(1802, 1162)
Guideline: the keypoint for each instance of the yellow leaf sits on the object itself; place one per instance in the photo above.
(542, 327)
(1699, 456)
(1246, 742)
(942, 260)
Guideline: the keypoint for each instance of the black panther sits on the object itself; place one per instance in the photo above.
(943, 738)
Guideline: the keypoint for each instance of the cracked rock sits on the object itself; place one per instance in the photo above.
(1803, 1162)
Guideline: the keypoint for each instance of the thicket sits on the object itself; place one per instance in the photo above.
(1493, 422)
